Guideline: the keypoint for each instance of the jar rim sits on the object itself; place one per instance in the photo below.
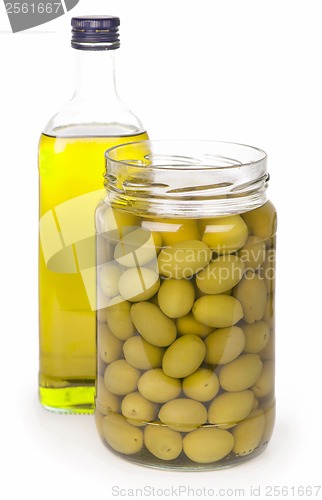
(111, 154)
(186, 177)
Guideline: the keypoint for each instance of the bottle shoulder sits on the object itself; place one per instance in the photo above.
(83, 117)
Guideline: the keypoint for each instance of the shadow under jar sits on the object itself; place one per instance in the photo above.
(185, 304)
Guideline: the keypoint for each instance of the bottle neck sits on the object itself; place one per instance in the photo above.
(95, 75)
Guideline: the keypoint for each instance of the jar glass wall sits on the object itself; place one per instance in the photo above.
(185, 304)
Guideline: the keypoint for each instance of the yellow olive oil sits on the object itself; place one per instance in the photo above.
(71, 185)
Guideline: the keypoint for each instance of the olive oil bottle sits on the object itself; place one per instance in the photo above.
(71, 166)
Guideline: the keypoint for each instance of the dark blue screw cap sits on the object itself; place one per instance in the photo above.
(95, 32)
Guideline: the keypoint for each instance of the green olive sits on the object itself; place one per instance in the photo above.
(120, 435)
(251, 292)
(113, 224)
(202, 385)
(157, 387)
(256, 335)
(109, 346)
(188, 325)
(218, 311)
(138, 283)
(184, 356)
(253, 253)
(183, 259)
(174, 230)
(154, 326)
(137, 248)
(183, 414)
(265, 383)
(241, 373)
(221, 274)
(162, 442)
(109, 276)
(229, 408)
(224, 345)
(224, 234)
(262, 221)
(119, 318)
(121, 378)
(207, 445)
(248, 434)
(142, 355)
(106, 402)
(137, 409)
(176, 297)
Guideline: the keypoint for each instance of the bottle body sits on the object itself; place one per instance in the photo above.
(70, 168)
(185, 323)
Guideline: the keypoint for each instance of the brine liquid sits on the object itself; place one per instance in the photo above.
(71, 185)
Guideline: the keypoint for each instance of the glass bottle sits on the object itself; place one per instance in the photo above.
(185, 333)
(71, 166)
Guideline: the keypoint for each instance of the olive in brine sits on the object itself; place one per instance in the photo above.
(113, 224)
(224, 234)
(157, 387)
(207, 445)
(119, 318)
(256, 336)
(224, 345)
(183, 259)
(220, 275)
(174, 230)
(249, 433)
(109, 276)
(184, 356)
(253, 253)
(262, 221)
(241, 374)
(109, 346)
(251, 293)
(183, 414)
(138, 283)
(202, 385)
(120, 435)
(162, 442)
(176, 297)
(154, 326)
(142, 355)
(137, 248)
(137, 409)
(229, 408)
(106, 401)
(121, 378)
(218, 311)
(265, 383)
(188, 325)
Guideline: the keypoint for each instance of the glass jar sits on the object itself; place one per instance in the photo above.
(185, 304)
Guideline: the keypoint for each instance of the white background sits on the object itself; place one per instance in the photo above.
(238, 70)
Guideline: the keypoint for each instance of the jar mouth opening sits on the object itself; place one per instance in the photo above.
(181, 155)
(186, 177)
